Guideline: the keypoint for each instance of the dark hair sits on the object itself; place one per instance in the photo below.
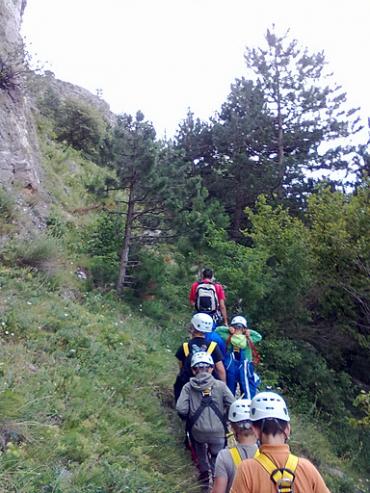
(207, 273)
(271, 426)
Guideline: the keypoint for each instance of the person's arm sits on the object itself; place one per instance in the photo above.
(223, 311)
(183, 404)
(221, 371)
(180, 356)
(192, 294)
(254, 336)
(219, 485)
(222, 331)
(221, 475)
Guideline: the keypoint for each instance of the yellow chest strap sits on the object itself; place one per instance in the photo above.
(210, 349)
(185, 347)
(237, 458)
(282, 477)
(235, 454)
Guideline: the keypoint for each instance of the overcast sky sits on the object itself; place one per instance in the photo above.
(163, 56)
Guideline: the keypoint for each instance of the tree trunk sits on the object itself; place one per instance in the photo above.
(237, 216)
(281, 164)
(126, 241)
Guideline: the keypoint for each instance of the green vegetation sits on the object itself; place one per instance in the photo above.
(7, 211)
(93, 308)
(85, 393)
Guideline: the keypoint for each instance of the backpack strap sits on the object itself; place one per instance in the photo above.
(283, 477)
(194, 418)
(219, 414)
(211, 347)
(185, 348)
(237, 458)
(235, 454)
(206, 401)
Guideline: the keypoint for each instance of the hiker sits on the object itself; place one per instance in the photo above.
(207, 296)
(203, 403)
(201, 324)
(275, 468)
(246, 447)
(241, 356)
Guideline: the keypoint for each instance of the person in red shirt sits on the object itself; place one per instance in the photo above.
(207, 296)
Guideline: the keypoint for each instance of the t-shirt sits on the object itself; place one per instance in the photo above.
(199, 344)
(225, 466)
(219, 290)
(251, 477)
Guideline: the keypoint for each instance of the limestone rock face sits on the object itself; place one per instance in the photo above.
(21, 163)
(19, 154)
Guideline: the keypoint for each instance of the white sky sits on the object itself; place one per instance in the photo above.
(163, 56)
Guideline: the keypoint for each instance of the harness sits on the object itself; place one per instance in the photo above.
(237, 458)
(210, 348)
(283, 477)
(206, 401)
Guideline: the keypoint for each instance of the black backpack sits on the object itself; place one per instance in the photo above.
(185, 373)
(206, 299)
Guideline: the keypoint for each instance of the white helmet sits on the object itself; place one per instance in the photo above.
(239, 320)
(201, 358)
(268, 405)
(239, 410)
(202, 322)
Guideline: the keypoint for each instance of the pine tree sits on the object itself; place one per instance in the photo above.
(310, 122)
(135, 158)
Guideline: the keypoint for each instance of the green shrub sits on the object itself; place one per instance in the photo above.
(6, 206)
(103, 236)
(41, 253)
(103, 271)
(7, 212)
(81, 126)
(303, 372)
(56, 226)
(13, 68)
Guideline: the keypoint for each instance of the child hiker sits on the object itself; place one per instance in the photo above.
(241, 356)
(246, 447)
(201, 326)
(203, 403)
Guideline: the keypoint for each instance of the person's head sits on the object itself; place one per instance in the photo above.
(201, 323)
(270, 417)
(239, 324)
(239, 418)
(201, 362)
(207, 273)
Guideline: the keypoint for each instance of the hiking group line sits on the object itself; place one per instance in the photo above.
(217, 387)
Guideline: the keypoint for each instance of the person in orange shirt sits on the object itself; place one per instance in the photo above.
(275, 467)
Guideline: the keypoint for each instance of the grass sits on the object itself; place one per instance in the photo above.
(87, 386)
(69, 175)
(86, 397)
(7, 212)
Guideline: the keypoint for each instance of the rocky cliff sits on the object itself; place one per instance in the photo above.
(19, 154)
(21, 172)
